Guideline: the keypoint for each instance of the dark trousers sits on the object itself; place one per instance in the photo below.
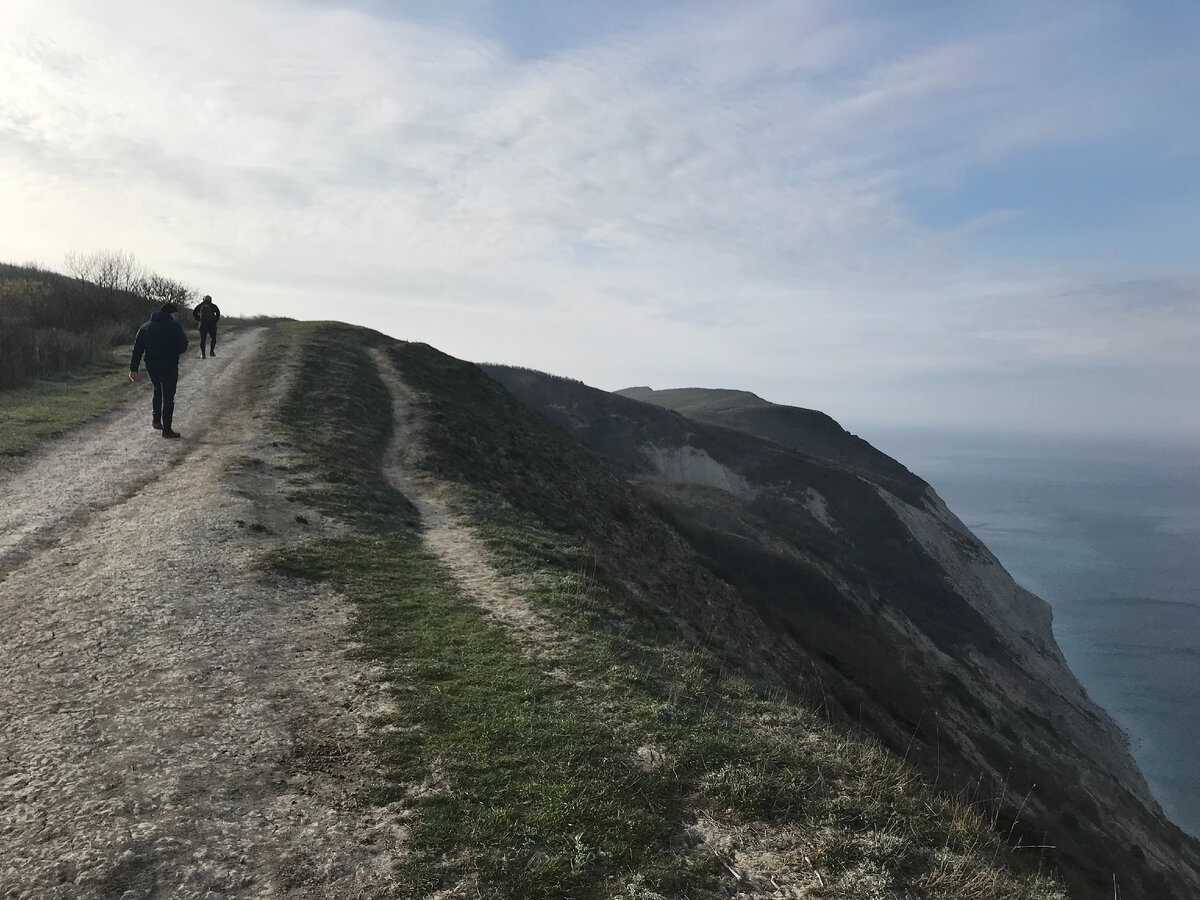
(209, 331)
(164, 377)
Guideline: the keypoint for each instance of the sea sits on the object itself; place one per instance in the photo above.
(1108, 532)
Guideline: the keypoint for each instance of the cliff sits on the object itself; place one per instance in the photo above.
(914, 628)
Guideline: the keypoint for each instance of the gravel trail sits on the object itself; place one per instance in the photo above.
(174, 721)
(104, 461)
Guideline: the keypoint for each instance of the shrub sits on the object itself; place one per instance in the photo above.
(50, 323)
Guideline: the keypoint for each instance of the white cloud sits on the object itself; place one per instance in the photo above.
(716, 193)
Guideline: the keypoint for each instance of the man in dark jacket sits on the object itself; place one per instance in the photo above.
(162, 341)
(207, 314)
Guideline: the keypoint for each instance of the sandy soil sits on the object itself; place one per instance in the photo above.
(174, 722)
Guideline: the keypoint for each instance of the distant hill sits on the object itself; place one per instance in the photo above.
(806, 430)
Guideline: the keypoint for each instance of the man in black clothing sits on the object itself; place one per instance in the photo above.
(162, 341)
(207, 314)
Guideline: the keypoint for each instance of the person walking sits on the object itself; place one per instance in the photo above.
(207, 315)
(162, 341)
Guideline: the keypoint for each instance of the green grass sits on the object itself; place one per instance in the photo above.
(519, 762)
(743, 751)
(523, 785)
(340, 413)
(539, 799)
(36, 412)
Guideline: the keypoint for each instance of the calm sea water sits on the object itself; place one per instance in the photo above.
(1109, 534)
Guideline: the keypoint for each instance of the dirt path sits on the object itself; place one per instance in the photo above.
(453, 542)
(107, 460)
(173, 721)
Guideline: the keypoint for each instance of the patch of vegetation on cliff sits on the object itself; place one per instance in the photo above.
(614, 581)
(505, 765)
(645, 752)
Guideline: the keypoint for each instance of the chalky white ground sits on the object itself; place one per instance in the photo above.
(174, 722)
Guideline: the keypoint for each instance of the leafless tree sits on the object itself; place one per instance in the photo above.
(113, 270)
(161, 289)
(119, 270)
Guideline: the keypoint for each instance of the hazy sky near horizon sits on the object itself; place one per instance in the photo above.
(982, 215)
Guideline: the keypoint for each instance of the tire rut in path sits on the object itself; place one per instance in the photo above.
(174, 722)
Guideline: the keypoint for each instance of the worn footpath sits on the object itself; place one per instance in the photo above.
(174, 720)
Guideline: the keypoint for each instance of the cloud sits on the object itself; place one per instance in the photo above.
(680, 186)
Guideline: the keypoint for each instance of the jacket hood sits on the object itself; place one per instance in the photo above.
(160, 316)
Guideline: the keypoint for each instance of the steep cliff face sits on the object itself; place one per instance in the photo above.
(911, 627)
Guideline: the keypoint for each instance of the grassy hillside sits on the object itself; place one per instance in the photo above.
(647, 744)
(50, 324)
(925, 650)
(41, 409)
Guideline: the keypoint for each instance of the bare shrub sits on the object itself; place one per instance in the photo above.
(50, 323)
(112, 270)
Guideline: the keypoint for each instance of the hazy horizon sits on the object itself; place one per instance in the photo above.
(971, 216)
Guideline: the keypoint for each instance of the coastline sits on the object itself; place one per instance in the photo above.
(1107, 533)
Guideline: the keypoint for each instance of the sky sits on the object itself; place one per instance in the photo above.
(960, 215)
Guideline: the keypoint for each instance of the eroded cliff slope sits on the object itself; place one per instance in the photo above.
(913, 629)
